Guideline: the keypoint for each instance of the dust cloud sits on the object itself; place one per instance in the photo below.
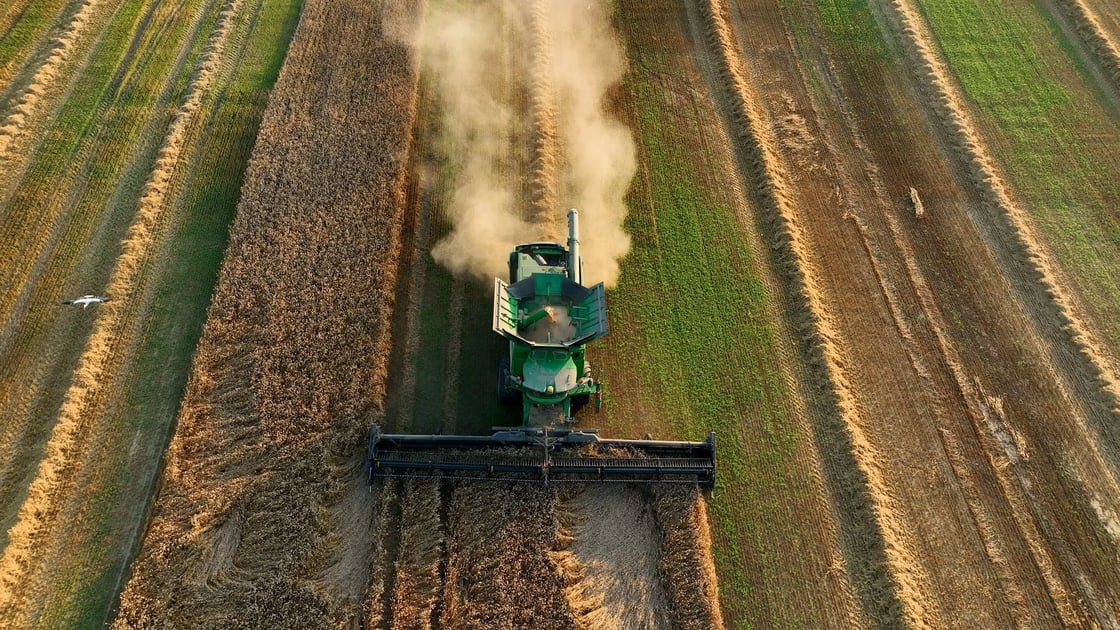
(478, 58)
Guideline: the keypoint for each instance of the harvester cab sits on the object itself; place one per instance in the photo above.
(548, 316)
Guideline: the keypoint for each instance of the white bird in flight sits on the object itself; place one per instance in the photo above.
(86, 300)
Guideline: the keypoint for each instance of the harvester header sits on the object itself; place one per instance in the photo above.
(548, 316)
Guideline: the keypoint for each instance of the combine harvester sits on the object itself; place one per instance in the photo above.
(548, 316)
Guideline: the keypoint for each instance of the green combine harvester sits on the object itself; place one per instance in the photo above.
(548, 316)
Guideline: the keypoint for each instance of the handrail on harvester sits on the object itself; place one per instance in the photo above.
(543, 454)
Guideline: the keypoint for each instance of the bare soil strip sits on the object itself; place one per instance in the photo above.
(948, 105)
(283, 386)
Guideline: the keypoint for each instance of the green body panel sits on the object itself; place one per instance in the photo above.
(548, 318)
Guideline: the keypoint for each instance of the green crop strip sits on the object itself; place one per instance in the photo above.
(195, 249)
(691, 315)
(1057, 142)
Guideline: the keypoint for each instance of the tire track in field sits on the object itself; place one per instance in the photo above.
(1020, 560)
(987, 423)
(10, 15)
(879, 557)
(114, 334)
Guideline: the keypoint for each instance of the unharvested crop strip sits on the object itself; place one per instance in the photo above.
(905, 582)
(947, 104)
(686, 558)
(113, 328)
(417, 586)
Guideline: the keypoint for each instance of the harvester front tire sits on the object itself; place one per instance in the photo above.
(506, 396)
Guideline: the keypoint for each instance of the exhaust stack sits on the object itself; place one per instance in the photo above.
(575, 265)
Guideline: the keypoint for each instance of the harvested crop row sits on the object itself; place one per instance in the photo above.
(947, 105)
(47, 232)
(1100, 41)
(25, 104)
(543, 198)
(113, 341)
(873, 520)
(65, 223)
(686, 561)
(283, 386)
(417, 584)
(24, 26)
(610, 556)
(1054, 513)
